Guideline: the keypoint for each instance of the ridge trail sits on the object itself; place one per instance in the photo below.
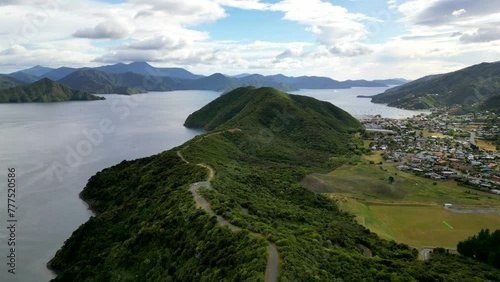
(273, 259)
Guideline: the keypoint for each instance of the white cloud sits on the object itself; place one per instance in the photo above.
(458, 13)
(161, 42)
(482, 35)
(106, 30)
(189, 13)
(245, 4)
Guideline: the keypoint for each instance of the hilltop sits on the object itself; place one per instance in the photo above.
(44, 90)
(262, 144)
(463, 87)
(300, 119)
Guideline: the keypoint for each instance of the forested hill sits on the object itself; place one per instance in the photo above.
(44, 90)
(463, 87)
(263, 143)
(301, 119)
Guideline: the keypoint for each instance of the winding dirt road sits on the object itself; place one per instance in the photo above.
(273, 259)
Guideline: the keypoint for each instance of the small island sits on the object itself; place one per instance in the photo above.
(44, 91)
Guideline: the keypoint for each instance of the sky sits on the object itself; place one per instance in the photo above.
(344, 39)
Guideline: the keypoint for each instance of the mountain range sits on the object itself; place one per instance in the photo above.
(465, 87)
(139, 77)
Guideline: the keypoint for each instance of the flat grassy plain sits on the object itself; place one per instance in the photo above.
(408, 210)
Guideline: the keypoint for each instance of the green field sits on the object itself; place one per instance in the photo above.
(422, 226)
(371, 182)
(408, 210)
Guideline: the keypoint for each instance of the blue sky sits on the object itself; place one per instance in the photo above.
(344, 39)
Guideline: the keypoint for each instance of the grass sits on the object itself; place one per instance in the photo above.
(447, 224)
(366, 143)
(366, 217)
(410, 209)
(371, 183)
(486, 145)
(422, 226)
(375, 156)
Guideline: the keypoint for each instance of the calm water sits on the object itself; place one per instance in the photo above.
(55, 148)
(49, 147)
(347, 100)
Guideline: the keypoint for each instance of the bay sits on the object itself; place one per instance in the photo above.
(347, 100)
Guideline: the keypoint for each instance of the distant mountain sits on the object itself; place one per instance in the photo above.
(60, 73)
(258, 80)
(309, 82)
(320, 82)
(361, 83)
(241, 75)
(44, 90)
(393, 81)
(24, 77)
(37, 70)
(105, 83)
(143, 68)
(130, 83)
(148, 70)
(463, 87)
(164, 79)
(8, 82)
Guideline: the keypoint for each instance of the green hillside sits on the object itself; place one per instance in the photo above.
(491, 104)
(44, 90)
(463, 87)
(299, 119)
(8, 82)
(263, 143)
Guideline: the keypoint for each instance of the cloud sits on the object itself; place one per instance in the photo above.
(14, 50)
(105, 30)
(161, 42)
(245, 4)
(441, 12)
(458, 13)
(189, 13)
(290, 53)
(327, 21)
(481, 35)
(350, 50)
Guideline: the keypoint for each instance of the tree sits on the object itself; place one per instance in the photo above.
(391, 179)
(484, 247)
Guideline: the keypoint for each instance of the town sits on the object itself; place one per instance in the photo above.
(441, 146)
